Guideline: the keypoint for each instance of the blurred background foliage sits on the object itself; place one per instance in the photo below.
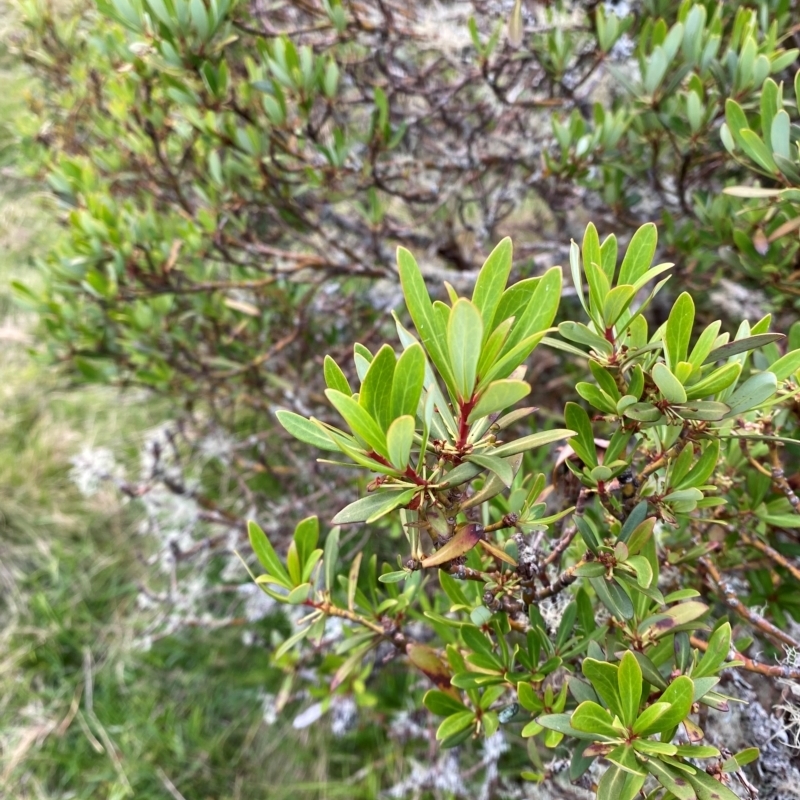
(199, 200)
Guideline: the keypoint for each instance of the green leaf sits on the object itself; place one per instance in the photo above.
(643, 412)
(604, 678)
(741, 759)
(639, 254)
(498, 396)
(719, 646)
(618, 784)
(668, 384)
(540, 311)
(455, 723)
(266, 554)
(330, 558)
(616, 303)
(464, 339)
(582, 334)
(613, 597)
(644, 572)
(409, 376)
(708, 410)
(306, 536)
(532, 441)
(608, 257)
(592, 718)
(373, 506)
(561, 723)
(596, 397)
(421, 310)
(679, 330)
(742, 346)
(786, 366)
(671, 780)
(359, 421)
(399, 439)
(334, 377)
(498, 466)
(704, 467)
(715, 382)
(754, 391)
(491, 282)
(629, 678)
(707, 788)
(583, 443)
(376, 388)
(305, 430)
(442, 704)
(757, 150)
(648, 721)
(679, 694)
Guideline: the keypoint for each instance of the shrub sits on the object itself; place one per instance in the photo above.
(642, 539)
(234, 179)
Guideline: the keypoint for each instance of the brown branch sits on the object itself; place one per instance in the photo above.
(737, 605)
(770, 670)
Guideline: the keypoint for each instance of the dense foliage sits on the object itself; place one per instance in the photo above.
(690, 471)
(235, 181)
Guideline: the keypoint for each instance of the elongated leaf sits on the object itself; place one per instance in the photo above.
(754, 391)
(498, 466)
(540, 312)
(306, 430)
(708, 788)
(454, 724)
(373, 506)
(604, 680)
(399, 439)
(786, 366)
(464, 339)
(671, 780)
(679, 695)
(715, 382)
(708, 410)
(359, 420)
(335, 378)
(619, 784)
(639, 254)
(668, 384)
(616, 303)
(678, 330)
(583, 443)
(462, 542)
(421, 310)
(376, 389)
(716, 653)
(441, 704)
(592, 718)
(331, 557)
(613, 597)
(306, 536)
(742, 346)
(582, 334)
(498, 396)
(530, 442)
(560, 723)
(491, 282)
(409, 376)
(266, 554)
(629, 679)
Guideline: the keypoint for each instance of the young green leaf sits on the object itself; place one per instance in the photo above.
(629, 679)
(604, 678)
(306, 430)
(359, 420)
(583, 443)
(498, 396)
(592, 718)
(306, 536)
(491, 282)
(530, 442)
(409, 376)
(376, 387)
(464, 339)
(715, 382)
(678, 330)
(334, 377)
(266, 554)
(668, 384)
(373, 506)
(754, 391)
(399, 439)
(639, 254)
